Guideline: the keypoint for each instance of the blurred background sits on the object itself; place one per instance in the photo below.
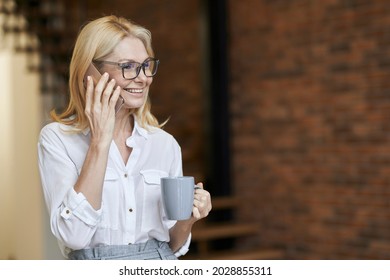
(281, 107)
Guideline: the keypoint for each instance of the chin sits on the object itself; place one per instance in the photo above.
(133, 105)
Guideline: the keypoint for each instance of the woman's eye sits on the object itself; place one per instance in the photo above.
(129, 66)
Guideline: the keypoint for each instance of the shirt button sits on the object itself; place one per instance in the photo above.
(67, 211)
(130, 210)
(125, 175)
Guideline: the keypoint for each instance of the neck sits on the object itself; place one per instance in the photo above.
(124, 123)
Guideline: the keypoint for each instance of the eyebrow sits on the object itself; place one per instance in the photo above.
(123, 60)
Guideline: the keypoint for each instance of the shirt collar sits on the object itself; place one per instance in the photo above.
(137, 128)
(140, 130)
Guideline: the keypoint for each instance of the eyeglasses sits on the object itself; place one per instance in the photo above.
(131, 69)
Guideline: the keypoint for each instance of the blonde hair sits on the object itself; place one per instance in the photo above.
(96, 40)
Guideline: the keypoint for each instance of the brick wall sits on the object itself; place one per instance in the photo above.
(310, 108)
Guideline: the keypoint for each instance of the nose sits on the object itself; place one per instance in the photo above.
(141, 76)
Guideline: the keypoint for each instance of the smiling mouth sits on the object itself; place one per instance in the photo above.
(134, 90)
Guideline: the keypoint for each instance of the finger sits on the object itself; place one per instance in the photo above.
(88, 95)
(202, 199)
(99, 89)
(201, 211)
(196, 213)
(198, 187)
(108, 91)
(115, 96)
(199, 204)
(201, 192)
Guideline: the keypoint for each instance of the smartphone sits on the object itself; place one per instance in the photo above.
(95, 75)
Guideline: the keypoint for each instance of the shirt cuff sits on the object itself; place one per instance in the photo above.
(184, 249)
(76, 204)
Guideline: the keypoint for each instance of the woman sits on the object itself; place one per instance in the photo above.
(101, 160)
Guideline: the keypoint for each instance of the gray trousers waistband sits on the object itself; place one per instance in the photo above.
(150, 250)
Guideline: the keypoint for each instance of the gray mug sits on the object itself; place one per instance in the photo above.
(178, 197)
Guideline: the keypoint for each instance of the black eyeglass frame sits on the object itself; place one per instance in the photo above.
(138, 69)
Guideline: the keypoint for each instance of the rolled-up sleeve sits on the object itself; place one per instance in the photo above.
(76, 204)
(72, 219)
(185, 248)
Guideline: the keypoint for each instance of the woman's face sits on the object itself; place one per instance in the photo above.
(133, 91)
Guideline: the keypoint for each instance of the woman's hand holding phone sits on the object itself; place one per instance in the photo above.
(100, 103)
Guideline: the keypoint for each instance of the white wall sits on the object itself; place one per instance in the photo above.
(6, 148)
(21, 207)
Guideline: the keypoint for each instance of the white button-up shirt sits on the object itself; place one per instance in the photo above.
(131, 211)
